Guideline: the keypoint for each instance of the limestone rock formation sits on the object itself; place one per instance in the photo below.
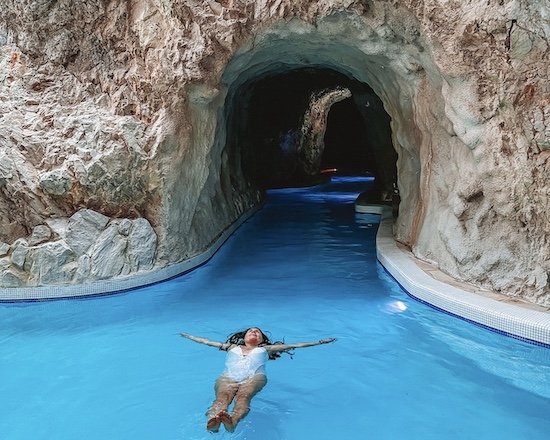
(85, 248)
(131, 109)
(311, 142)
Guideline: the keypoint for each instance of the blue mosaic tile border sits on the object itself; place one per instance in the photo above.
(518, 322)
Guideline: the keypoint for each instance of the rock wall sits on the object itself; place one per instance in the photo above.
(87, 247)
(484, 184)
(121, 108)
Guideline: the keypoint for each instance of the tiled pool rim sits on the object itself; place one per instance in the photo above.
(522, 322)
(512, 320)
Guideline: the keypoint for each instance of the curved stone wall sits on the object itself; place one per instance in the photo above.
(122, 108)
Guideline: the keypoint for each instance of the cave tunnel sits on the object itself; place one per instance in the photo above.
(268, 113)
(347, 146)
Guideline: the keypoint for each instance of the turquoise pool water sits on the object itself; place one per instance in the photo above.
(303, 268)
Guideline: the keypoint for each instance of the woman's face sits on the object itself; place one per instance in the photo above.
(253, 336)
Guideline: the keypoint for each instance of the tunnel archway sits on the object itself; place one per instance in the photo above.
(269, 111)
(386, 74)
(439, 128)
(269, 128)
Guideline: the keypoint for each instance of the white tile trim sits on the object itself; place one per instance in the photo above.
(516, 321)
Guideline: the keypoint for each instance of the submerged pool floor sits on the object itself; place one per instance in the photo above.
(303, 268)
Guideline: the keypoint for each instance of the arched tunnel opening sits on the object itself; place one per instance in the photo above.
(267, 125)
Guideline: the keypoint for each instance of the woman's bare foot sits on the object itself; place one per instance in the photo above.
(213, 424)
(227, 421)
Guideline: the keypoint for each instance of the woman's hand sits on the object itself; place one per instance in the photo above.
(327, 341)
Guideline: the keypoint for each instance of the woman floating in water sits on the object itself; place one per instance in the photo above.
(244, 374)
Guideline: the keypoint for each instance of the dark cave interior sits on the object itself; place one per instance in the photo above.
(268, 115)
(347, 146)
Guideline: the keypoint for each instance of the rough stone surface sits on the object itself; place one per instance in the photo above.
(19, 253)
(6, 168)
(126, 115)
(4, 249)
(311, 143)
(142, 245)
(47, 263)
(8, 275)
(40, 234)
(84, 248)
(56, 182)
(107, 254)
(84, 228)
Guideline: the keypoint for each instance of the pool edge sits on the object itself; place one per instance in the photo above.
(509, 319)
(121, 284)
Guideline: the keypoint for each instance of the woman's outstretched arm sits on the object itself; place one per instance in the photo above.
(206, 341)
(278, 348)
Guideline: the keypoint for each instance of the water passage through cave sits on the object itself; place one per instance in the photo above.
(303, 268)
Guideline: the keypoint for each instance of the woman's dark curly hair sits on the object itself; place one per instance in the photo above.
(238, 339)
